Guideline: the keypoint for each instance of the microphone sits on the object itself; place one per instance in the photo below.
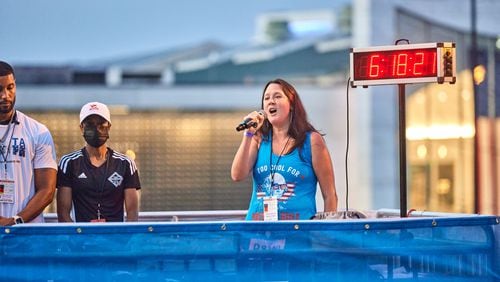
(249, 122)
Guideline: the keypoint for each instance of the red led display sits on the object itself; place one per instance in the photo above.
(403, 64)
(395, 64)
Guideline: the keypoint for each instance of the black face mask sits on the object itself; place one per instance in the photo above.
(95, 138)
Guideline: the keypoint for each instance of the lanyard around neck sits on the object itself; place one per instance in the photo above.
(4, 137)
(5, 151)
(273, 170)
(103, 183)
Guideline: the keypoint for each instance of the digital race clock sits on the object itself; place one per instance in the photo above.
(403, 64)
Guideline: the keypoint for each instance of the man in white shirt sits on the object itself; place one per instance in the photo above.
(28, 166)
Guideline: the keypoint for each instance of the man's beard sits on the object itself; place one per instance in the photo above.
(7, 109)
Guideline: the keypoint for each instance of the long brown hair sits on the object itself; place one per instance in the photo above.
(299, 123)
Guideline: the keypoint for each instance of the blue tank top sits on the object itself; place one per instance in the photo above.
(294, 182)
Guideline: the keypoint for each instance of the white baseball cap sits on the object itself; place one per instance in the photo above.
(95, 108)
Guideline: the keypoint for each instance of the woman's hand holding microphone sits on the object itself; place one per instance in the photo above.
(252, 122)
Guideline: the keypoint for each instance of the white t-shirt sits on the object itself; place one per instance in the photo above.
(30, 146)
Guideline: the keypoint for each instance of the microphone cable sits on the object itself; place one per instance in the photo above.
(347, 151)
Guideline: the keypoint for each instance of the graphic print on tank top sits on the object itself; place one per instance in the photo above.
(279, 189)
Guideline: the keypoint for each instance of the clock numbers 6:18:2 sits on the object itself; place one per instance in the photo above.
(395, 64)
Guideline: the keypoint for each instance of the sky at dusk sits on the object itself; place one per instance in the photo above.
(61, 31)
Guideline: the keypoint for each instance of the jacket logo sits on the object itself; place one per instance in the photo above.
(116, 179)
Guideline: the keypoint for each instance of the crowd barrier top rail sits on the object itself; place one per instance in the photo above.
(231, 215)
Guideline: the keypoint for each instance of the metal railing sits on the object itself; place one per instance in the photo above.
(233, 215)
(147, 216)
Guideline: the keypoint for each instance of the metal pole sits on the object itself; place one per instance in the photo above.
(473, 63)
(402, 150)
(492, 113)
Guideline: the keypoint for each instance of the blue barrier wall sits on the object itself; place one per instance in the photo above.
(421, 249)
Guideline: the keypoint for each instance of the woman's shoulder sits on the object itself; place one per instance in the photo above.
(316, 138)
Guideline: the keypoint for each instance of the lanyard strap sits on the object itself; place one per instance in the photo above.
(5, 153)
(273, 171)
(103, 182)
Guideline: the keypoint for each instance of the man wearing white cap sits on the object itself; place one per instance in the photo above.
(96, 180)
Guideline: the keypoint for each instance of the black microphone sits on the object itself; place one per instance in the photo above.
(249, 122)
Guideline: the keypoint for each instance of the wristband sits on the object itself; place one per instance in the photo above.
(249, 134)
